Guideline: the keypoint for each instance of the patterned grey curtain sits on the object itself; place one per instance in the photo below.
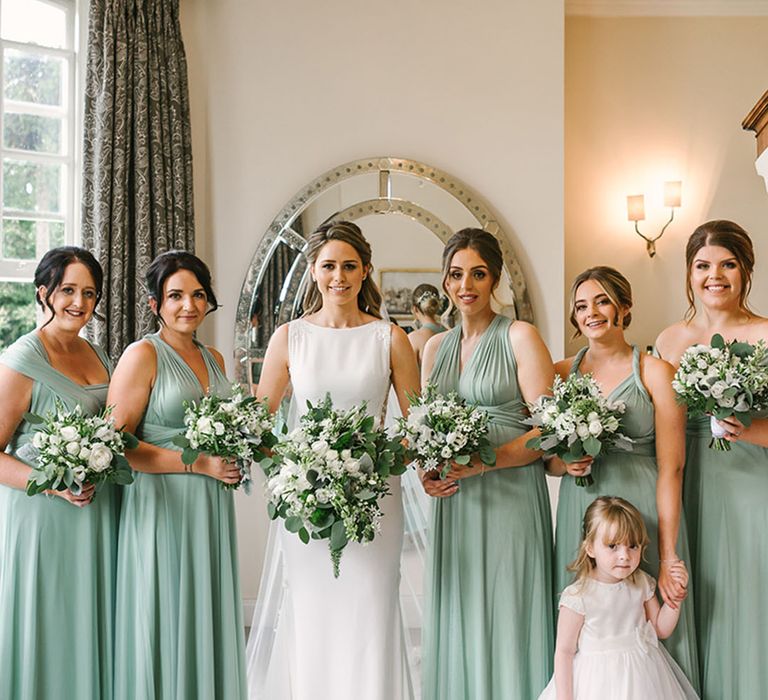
(137, 155)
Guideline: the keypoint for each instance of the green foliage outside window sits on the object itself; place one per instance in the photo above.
(17, 311)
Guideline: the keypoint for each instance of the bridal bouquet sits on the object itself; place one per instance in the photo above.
(576, 421)
(327, 477)
(71, 449)
(722, 380)
(235, 427)
(443, 429)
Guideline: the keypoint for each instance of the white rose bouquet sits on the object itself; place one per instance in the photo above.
(723, 380)
(71, 449)
(235, 427)
(443, 429)
(327, 477)
(577, 421)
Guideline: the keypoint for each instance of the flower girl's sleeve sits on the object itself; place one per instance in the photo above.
(572, 599)
(649, 585)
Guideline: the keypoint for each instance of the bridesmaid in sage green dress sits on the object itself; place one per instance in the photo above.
(57, 550)
(725, 492)
(179, 615)
(426, 305)
(489, 629)
(651, 475)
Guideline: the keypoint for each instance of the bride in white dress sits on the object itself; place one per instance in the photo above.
(315, 637)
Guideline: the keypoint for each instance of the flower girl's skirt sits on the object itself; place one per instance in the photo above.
(631, 667)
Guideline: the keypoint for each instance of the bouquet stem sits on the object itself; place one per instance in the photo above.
(585, 480)
(720, 444)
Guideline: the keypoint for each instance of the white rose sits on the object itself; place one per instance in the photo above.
(582, 430)
(204, 425)
(320, 447)
(73, 448)
(446, 453)
(104, 433)
(68, 433)
(218, 428)
(39, 440)
(595, 428)
(85, 452)
(100, 458)
(352, 466)
(79, 473)
(718, 388)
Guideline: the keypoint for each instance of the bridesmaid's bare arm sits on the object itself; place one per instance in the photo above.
(16, 390)
(669, 422)
(535, 376)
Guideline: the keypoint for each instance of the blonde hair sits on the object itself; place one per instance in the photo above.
(623, 524)
(614, 284)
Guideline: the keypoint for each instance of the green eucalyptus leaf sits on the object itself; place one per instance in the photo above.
(338, 536)
(294, 523)
(188, 455)
(180, 440)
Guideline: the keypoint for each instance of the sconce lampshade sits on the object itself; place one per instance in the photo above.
(672, 193)
(636, 207)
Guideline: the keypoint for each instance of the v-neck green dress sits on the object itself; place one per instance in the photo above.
(57, 561)
(179, 611)
(631, 476)
(489, 629)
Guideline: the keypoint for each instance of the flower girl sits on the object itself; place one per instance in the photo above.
(610, 619)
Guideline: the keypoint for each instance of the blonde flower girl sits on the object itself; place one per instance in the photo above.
(610, 619)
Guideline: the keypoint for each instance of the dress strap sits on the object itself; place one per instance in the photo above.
(636, 370)
(577, 360)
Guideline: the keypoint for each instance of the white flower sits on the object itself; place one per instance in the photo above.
(320, 447)
(100, 458)
(39, 440)
(582, 430)
(73, 448)
(105, 433)
(85, 452)
(204, 425)
(717, 389)
(68, 433)
(218, 428)
(595, 428)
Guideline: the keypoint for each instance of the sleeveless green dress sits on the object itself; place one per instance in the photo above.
(725, 497)
(632, 476)
(489, 621)
(57, 561)
(179, 616)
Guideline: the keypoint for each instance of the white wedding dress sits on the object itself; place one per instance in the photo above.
(315, 637)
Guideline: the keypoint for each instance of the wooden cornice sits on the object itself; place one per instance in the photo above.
(757, 121)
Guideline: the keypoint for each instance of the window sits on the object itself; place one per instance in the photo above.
(38, 121)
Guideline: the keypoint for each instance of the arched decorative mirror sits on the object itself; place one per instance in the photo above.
(406, 209)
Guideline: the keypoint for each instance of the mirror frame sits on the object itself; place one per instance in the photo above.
(280, 230)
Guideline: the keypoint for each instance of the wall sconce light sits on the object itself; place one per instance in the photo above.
(636, 211)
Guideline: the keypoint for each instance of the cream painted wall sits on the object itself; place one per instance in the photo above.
(282, 91)
(654, 99)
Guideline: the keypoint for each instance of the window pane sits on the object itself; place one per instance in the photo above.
(31, 186)
(29, 77)
(19, 239)
(34, 22)
(55, 233)
(31, 133)
(17, 311)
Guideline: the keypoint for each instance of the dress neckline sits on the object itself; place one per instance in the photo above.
(202, 349)
(482, 340)
(631, 376)
(36, 338)
(345, 328)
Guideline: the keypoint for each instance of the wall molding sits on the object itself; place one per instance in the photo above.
(666, 8)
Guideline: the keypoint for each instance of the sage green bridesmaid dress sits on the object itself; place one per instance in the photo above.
(179, 610)
(489, 629)
(726, 506)
(57, 561)
(632, 476)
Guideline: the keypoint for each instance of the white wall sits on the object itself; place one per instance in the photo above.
(282, 91)
(654, 99)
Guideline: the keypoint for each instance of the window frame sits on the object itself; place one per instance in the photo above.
(71, 111)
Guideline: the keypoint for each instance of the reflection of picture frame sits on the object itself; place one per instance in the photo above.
(397, 285)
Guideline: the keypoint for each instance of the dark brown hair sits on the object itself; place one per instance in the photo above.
(483, 243)
(170, 262)
(50, 272)
(615, 285)
(369, 296)
(733, 238)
